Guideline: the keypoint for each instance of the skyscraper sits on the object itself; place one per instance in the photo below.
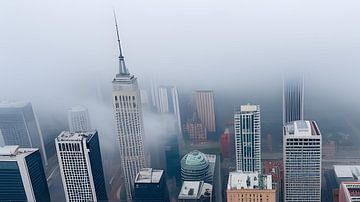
(19, 126)
(248, 138)
(78, 118)
(22, 176)
(205, 108)
(293, 99)
(81, 168)
(166, 100)
(302, 161)
(129, 122)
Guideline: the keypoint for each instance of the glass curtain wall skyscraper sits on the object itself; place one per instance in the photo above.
(19, 126)
(129, 122)
(293, 99)
(248, 138)
(22, 176)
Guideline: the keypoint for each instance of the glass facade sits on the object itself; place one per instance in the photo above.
(37, 177)
(96, 167)
(11, 185)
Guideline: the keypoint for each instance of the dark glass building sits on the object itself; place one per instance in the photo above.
(19, 126)
(22, 176)
(150, 186)
(293, 99)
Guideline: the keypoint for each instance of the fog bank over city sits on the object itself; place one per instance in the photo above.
(60, 54)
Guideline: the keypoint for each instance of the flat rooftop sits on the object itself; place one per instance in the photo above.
(249, 108)
(9, 150)
(347, 171)
(74, 136)
(12, 152)
(302, 129)
(149, 175)
(78, 108)
(248, 180)
(195, 189)
(16, 104)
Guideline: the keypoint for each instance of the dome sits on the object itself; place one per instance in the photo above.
(195, 158)
(195, 167)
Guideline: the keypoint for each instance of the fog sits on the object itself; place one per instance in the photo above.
(57, 54)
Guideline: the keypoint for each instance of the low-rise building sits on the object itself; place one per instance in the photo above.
(349, 192)
(195, 191)
(250, 186)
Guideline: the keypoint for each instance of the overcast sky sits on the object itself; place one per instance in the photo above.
(58, 53)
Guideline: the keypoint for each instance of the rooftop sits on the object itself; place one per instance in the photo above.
(347, 171)
(302, 128)
(9, 150)
(249, 108)
(196, 158)
(17, 104)
(149, 175)
(351, 189)
(74, 136)
(13, 152)
(195, 190)
(78, 108)
(249, 180)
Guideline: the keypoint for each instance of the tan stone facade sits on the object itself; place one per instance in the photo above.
(253, 195)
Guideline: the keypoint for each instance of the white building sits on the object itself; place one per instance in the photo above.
(302, 161)
(78, 119)
(81, 168)
(22, 176)
(293, 99)
(129, 123)
(195, 191)
(248, 138)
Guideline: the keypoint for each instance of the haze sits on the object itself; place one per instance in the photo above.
(60, 53)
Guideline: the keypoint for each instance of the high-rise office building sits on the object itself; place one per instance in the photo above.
(150, 186)
(129, 122)
(22, 176)
(250, 186)
(166, 100)
(78, 118)
(293, 99)
(81, 167)
(205, 108)
(248, 138)
(302, 161)
(19, 126)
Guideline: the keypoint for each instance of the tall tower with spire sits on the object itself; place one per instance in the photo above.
(129, 121)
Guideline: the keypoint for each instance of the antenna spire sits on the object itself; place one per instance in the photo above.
(122, 67)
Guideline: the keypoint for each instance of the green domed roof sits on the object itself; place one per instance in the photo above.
(195, 158)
